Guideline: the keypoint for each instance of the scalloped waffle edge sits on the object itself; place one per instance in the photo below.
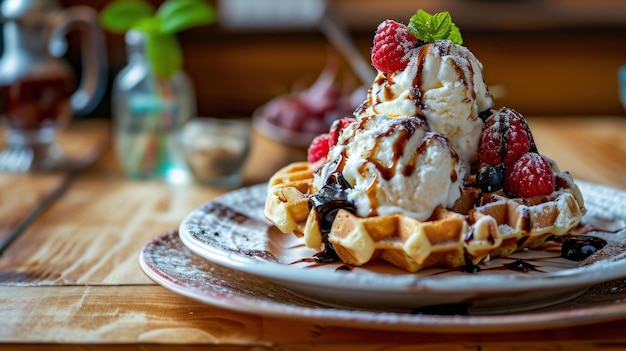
(287, 203)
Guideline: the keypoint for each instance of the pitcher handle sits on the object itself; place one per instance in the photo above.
(93, 80)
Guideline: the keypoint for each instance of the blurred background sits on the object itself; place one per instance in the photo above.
(542, 57)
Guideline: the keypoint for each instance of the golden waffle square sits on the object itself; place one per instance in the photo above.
(287, 203)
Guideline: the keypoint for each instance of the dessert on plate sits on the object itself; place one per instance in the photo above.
(427, 172)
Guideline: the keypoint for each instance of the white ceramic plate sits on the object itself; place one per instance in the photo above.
(169, 263)
(232, 231)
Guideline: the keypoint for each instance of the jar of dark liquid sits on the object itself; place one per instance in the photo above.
(39, 93)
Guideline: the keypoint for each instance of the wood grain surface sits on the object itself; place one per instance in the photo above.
(592, 149)
(71, 279)
(24, 196)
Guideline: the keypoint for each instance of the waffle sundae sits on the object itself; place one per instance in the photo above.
(427, 172)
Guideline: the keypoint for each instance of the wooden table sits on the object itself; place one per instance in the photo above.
(69, 274)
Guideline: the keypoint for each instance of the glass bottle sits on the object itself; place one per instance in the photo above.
(149, 113)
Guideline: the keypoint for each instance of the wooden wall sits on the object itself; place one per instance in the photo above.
(539, 62)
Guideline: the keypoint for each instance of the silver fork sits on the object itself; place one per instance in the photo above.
(16, 159)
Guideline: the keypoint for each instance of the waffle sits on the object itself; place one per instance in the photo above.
(476, 227)
(287, 203)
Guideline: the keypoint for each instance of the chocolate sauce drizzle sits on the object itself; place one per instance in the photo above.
(578, 248)
(521, 266)
(326, 203)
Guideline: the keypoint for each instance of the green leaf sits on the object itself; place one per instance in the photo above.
(418, 25)
(121, 15)
(179, 15)
(440, 24)
(430, 28)
(162, 48)
(455, 35)
(164, 54)
(150, 25)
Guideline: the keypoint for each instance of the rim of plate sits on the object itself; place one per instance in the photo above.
(380, 319)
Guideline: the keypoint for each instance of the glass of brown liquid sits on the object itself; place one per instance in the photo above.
(34, 110)
(39, 93)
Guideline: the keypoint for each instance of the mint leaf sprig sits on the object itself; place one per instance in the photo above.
(160, 27)
(430, 28)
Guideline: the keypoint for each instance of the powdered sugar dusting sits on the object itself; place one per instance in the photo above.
(529, 176)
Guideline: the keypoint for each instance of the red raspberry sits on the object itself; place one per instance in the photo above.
(392, 44)
(337, 127)
(318, 150)
(505, 138)
(529, 176)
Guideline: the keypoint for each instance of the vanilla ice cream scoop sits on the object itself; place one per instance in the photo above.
(395, 165)
(443, 84)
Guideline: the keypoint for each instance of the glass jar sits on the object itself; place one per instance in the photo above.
(149, 113)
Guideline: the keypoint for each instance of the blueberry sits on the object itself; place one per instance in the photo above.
(490, 178)
(485, 114)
